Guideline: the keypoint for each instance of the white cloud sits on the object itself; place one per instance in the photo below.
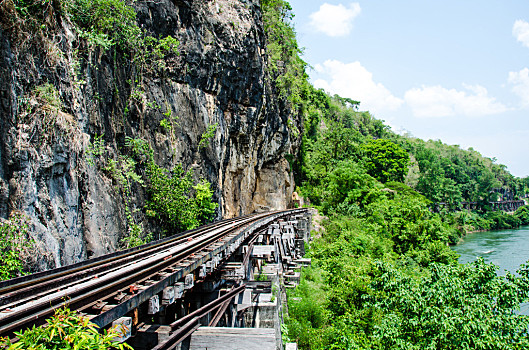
(437, 101)
(335, 20)
(520, 82)
(355, 81)
(520, 30)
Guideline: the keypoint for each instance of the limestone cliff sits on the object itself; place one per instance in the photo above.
(219, 77)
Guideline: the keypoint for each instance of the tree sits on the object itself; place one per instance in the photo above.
(348, 187)
(522, 214)
(450, 307)
(385, 160)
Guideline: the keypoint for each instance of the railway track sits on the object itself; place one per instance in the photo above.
(110, 286)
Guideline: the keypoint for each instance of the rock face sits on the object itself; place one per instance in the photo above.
(219, 77)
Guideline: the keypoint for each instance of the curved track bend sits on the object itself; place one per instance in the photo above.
(117, 283)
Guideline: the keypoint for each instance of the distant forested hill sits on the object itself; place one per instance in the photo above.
(336, 131)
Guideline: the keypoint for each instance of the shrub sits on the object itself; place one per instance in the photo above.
(450, 307)
(501, 220)
(385, 160)
(522, 214)
(174, 199)
(14, 243)
(207, 136)
(66, 330)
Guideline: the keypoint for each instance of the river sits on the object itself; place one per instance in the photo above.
(507, 249)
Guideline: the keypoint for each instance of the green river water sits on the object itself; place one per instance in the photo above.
(505, 248)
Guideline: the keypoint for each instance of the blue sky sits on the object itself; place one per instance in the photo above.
(457, 71)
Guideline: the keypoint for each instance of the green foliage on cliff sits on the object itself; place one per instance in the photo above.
(123, 171)
(48, 95)
(285, 64)
(175, 201)
(66, 330)
(105, 22)
(101, 27)
(206, 137)
(14, 246)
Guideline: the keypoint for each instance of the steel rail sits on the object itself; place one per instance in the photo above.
(190, 265)
(31, 289)
(33, 279)
(100, 287)
(175, 256)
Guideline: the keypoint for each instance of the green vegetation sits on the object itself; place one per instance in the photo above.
(450, 306)
(14, 246)
(501, 220)
(450, 174)
(174, 201)
(171, 200)
(335, 131)
(66, 330)
(285, 65)
(207, 136)
(385, 160)
(166, 125)
(467, 221)
(95, 150)
(383, 276)
(388, 306)
(522, 214)
(48, 95)
(103, 24)
(123, 171)
(103, 27)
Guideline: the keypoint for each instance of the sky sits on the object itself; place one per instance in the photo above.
(452, 70)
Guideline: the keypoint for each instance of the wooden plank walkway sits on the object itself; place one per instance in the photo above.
(226, 338)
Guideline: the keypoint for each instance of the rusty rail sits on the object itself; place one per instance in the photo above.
(31, 299)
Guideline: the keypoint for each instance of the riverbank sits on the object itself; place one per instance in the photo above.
(467, 222)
